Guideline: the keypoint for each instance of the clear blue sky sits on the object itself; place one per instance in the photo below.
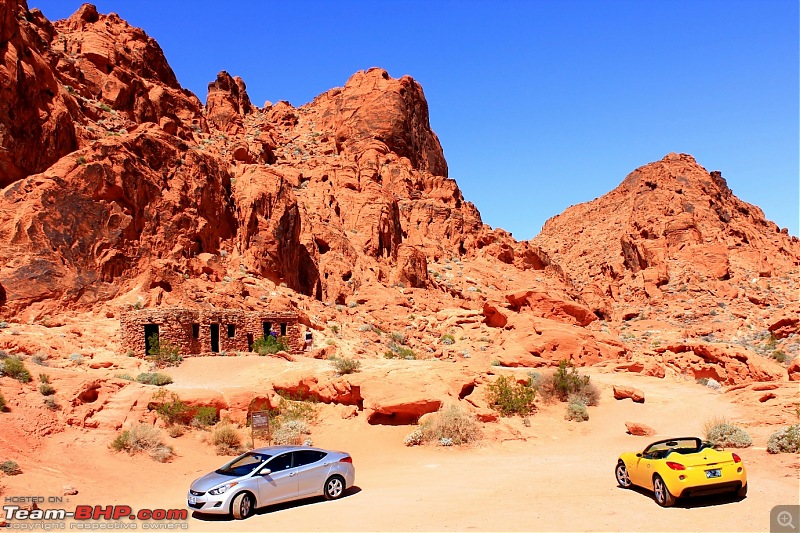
(538, 104)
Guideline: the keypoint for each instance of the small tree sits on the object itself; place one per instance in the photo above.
(163, 353)
(511, 398)
(269, 345)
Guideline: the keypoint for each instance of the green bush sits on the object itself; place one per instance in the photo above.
(125, 376)
(142, 438)
(566, 381)
(10, 468)
(46, 389)
(44, 378)
(227, 440)
(205, 416)
(2, 403)
(172, 410)
(780, 356)
(154, 378)
(786, 440)
(576, 410)
(451, 424)
(269, 345)
(397, 351)
(447, 339)
(722, 432)
(162, 353)
(511, 398)
(15, 368)
(343, 365)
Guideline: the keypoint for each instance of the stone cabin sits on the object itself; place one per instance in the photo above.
(207, 331)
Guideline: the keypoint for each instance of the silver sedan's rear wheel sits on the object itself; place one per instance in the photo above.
(334, 487)
(622, 475)
(663, 496)
(242, 506)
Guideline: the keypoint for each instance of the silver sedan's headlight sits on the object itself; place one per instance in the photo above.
(222, 489)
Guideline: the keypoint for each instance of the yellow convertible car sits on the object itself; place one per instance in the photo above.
(682, 467)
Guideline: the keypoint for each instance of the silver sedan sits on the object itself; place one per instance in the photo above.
(266, 476)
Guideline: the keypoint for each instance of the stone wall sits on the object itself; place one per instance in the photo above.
(192, 331)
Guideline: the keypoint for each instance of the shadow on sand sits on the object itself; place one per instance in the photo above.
(355, 489)
(691, 503)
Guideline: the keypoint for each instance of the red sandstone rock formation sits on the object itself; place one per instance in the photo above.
(671, 226)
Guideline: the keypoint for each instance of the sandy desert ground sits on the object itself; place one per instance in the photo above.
(554, 476)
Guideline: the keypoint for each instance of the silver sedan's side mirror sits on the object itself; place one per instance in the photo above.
(265, 472)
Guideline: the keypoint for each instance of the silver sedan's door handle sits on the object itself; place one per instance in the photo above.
(293, 474)
(327, 464)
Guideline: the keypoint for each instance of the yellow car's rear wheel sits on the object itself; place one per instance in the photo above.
(663, 496)
(621, 472)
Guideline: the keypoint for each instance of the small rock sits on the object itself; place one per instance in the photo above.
(620, 393)
(639, 429)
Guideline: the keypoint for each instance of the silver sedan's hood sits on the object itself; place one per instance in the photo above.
(209, 481)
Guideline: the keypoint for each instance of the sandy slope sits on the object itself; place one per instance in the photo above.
(556, 476)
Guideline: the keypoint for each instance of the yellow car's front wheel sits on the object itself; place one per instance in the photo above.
(663, 496)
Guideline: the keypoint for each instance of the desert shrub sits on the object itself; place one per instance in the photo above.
(712, 383)
(162, 353)
(15, 368)
(291, 432)
(786, 440)
(269, 345)
(447, 339)
(161, 453)
(51, 403)
(76, 358)
(511, 398)
(205, 416)
(172, 410)
(296, 409)
(142, 438)
(226, 439)
(39, 358)
(566, 381)
(702, 381)
(125, 376)
(576, 410)
(722, 432)
(451, 423)
(44, 378)
(414, 438)
(398, 337)
(10, 468)
(397, 351)
(154, 378)
(2, 403)
(175, 431)
(46, 389)
(780, 356)
(344, 365)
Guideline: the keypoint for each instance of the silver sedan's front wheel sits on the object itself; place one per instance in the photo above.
(623, 478)
(242, 506)
(334, 487)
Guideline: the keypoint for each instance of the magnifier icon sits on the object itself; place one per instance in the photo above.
(785, 519)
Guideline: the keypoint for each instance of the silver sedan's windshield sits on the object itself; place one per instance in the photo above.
(244, 464)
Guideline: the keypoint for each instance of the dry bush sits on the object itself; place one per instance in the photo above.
(720, 431)
(451, 424)
(291, 432)
(142, 438)
(227, 440)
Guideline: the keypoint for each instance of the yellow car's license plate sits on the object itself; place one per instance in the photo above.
(713, 473)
